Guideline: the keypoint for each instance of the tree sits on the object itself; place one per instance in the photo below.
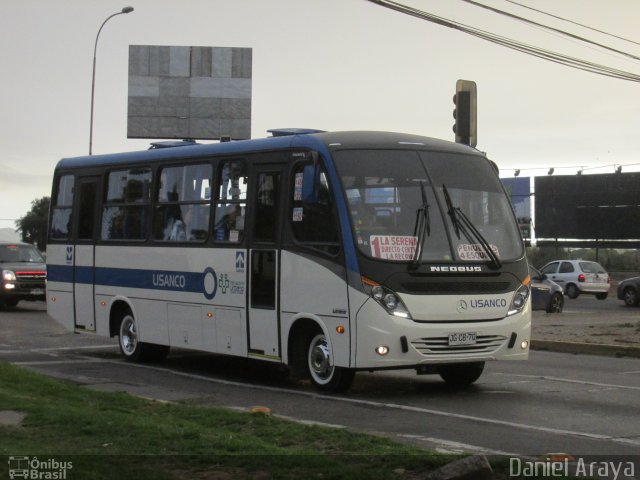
(33, 226)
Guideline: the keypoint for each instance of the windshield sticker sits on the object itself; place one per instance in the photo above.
(393, 247)
(475, 251)
(298, 214)
(297, 193)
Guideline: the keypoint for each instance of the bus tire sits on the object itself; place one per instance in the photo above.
(461, 374)
(132, 348)
(322, 371)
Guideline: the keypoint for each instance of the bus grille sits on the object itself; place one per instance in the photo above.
(455, 288)
(440, 345)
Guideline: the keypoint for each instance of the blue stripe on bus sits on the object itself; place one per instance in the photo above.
(60, 273)
(149, 279)
(84, 274)
(194, 282)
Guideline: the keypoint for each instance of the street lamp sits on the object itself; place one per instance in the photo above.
(93, 79)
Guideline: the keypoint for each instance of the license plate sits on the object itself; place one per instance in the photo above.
(464, 338)
(37, 291)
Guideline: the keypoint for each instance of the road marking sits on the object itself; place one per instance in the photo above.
(451, 447)
(57, 362)
(58, 349)
(307, 422)
(65, 349)
(569, 380)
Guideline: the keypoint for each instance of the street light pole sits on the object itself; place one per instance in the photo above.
(93, 78)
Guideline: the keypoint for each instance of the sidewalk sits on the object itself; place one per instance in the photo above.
(588, 333)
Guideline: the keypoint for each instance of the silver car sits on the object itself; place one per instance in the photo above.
(579, 276)
(545, 294)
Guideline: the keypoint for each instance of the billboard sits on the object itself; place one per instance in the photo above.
(195, 93)
(593, 207)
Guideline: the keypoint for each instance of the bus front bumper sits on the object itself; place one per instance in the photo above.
(386, 342)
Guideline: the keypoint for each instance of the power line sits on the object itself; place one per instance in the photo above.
(553, 29)
(510, 43)
(571, 21)
(581, 168)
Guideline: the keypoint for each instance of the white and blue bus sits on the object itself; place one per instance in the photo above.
(327, 252)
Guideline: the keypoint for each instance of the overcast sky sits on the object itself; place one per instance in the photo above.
(327, 64)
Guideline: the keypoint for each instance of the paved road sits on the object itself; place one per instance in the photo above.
(590, 304)
(577, 404)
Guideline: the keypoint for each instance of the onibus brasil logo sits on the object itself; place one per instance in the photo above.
(33, 468)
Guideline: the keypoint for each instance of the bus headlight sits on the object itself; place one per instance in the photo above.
(519, 300)
(390, 301)
(387, 298)
(377, 292)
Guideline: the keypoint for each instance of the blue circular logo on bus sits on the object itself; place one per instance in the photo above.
(209, 283)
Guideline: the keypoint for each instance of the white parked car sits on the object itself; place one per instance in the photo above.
(579, 276)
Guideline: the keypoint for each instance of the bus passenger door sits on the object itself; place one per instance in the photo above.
(84, 257)
(264, 263)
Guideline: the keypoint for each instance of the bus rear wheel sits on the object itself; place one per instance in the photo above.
(132, 348)
(322, 371)
(461, 374)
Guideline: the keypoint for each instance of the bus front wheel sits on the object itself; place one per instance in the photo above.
(320, 363)
(132, 348)
(461, 374)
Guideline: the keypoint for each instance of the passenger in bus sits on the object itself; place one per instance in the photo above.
(174, 226)
(232, 221)
(178, 231)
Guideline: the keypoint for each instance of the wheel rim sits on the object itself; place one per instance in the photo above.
(128, 335)
(320, 362)
(556, 304)
(630, 297)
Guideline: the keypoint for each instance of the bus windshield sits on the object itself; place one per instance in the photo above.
(452, 205)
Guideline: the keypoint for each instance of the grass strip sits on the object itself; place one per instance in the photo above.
(116, 436)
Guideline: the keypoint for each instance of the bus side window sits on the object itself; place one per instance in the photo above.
(313, 218)
(124, 216)
(60, 227)
(181, 212)
(231, 206)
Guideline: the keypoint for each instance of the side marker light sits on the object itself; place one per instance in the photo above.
(382, 350)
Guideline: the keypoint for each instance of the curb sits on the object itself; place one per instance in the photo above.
(586, 348)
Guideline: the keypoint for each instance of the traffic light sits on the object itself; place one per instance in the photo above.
(465, 113)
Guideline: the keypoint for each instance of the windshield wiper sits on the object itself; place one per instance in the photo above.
(451, 210)
(423, 224)
(462, 223)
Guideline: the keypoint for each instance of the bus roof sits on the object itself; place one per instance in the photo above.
(298, 138)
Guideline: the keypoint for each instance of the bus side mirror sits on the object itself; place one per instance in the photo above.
(310, 178)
